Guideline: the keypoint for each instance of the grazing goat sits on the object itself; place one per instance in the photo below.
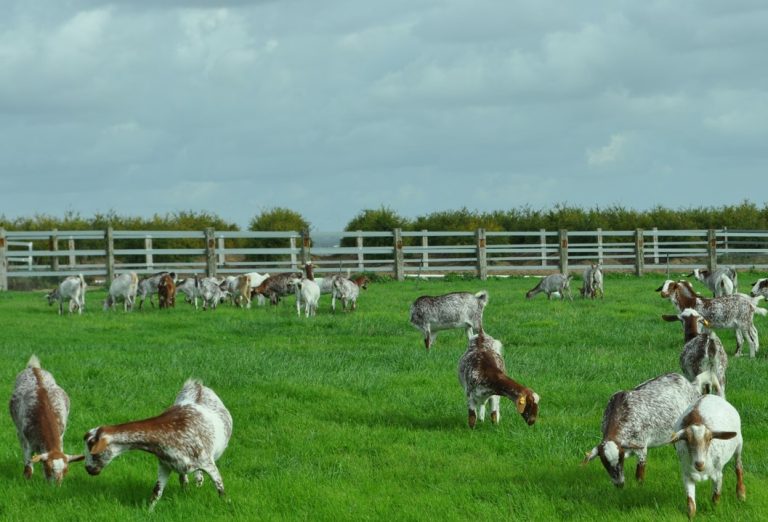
(148, 286)
(348, 291)
(431, 314)
(703, 359)
(276, 286)
(638, 419)
(188, 437)
(239, 289)
(553, 283)
(593, 282)
(40, 408)
(166, 292)
(729, 311)
(707, 436)
(760, 288)
(482, 374)
(211, 292)
(190, 287)
(721, 281)
(307, 294)
(72, 289)
(123, 287)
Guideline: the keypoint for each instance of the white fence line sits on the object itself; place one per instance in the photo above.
(101, 253)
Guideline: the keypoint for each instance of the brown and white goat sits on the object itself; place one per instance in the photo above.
(40, 408)
(482, 374)
(166, 292)
(274, 287)
(729, 311)
(707, 436)
(348, 291)
(188, 437)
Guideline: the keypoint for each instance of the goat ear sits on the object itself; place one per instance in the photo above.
(659, 289)
(589, 456)
(100, 446)
(677, 436)
(520, 404)
(670, 318)
(75, 458)
(37, 458)
(723, 435)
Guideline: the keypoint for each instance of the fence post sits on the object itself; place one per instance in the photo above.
(599, 246)
(148, 257)
(399, 258)
(711, 250)
(482, 261)
(222, 255)
(306, 245)
(655, 246)
(210, 252)
(109, 248)
(3, 261)
(53, 243)
(725, 241)
(639, 252)
(72, 257)
(543, 242)
(563, 251)
(292, 245)
(425, 247)
(360, 257)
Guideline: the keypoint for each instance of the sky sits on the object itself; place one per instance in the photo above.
(335, 106)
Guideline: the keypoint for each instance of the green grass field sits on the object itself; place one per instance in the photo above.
(346, 417)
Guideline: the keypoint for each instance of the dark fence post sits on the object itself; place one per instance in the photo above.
(711, 250)
(639, 252)
(3, 261)
(210, 252)
(399, 258)
(482, 262)
(563, 251)
(109, 248)
(53, 246)
(306, 245)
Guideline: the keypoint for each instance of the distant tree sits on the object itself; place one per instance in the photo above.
(276, 219)
(380, 219)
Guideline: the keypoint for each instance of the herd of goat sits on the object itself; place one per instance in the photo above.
(688, 410)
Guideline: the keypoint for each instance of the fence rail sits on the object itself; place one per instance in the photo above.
(102, 253)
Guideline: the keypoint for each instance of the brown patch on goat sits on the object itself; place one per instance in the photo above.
(47, 422)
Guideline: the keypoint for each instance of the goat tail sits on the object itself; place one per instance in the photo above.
(191, 392)
(707, 382)
(33, 362)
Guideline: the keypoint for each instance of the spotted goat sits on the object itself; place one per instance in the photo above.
(703, 359)
(638, 419)
(40, 409)
(482, 374)
(188, 437)
(430, 314)
(593, 282)
(347, 290)
(729, 311)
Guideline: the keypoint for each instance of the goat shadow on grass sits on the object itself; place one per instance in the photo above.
(398, 420)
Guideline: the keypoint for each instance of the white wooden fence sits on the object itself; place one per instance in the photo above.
(102, 253)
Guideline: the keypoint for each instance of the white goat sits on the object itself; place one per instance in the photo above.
(721, 281)
(708, 435)
(123, 287)
(348, 291)
(40, 408)
(188, 437)
(72, 289)
(552, 284)
(307, 294)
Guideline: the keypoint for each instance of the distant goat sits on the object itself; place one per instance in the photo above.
(190, 436)
(593, 282)
(553, 283)
(166, 291)
(430, 314)
(148, 287)
(123, 287)
(72, 289)
(40, 408)
(721, 281)
(276, 286)
(307, 294)
(348, 291)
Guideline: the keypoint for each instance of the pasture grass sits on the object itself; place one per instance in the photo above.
(347, 417)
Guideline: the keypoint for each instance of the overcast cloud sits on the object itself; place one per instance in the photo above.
(330, 107)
